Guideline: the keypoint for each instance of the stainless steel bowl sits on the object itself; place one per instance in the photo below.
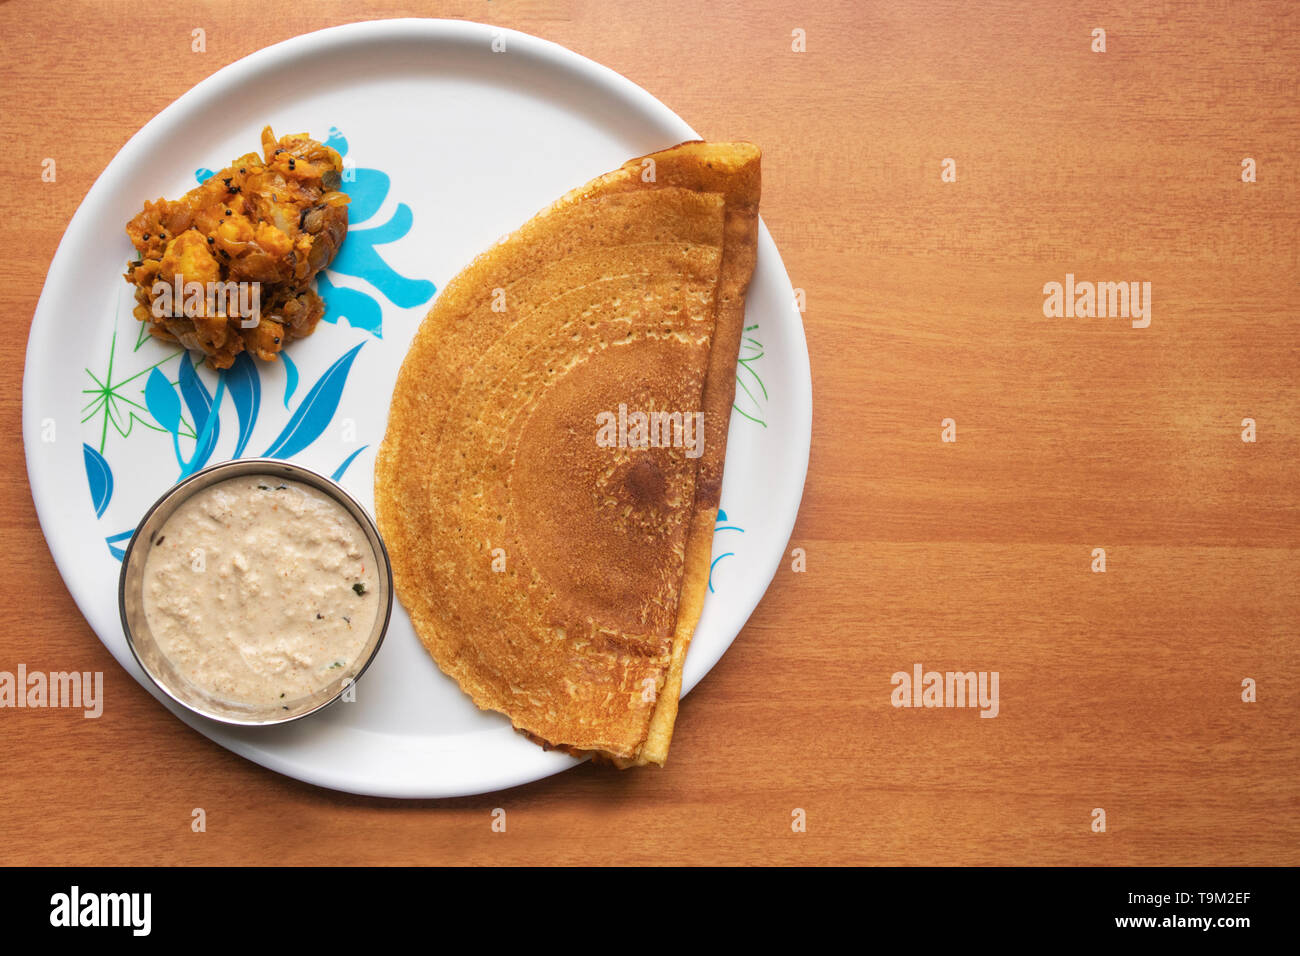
(160, 669)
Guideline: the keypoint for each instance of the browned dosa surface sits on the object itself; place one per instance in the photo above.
(557, 580)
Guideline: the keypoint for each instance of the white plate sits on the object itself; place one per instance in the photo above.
(476, 128)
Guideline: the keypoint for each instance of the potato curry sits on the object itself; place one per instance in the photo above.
(274, 220)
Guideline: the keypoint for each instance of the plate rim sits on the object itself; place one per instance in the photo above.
(551, 54)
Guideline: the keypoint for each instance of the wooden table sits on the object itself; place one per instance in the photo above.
(1119, 690)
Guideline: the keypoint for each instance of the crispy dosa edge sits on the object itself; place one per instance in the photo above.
(733, 169)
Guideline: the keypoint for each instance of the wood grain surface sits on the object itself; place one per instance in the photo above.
(1119, 690)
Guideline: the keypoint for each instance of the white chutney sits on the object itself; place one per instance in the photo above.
(261, 590)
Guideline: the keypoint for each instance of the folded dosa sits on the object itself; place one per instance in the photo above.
(556, 576)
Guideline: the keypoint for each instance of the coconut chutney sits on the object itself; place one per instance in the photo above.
(261, 590)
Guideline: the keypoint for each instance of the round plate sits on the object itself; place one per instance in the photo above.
(454, 134)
